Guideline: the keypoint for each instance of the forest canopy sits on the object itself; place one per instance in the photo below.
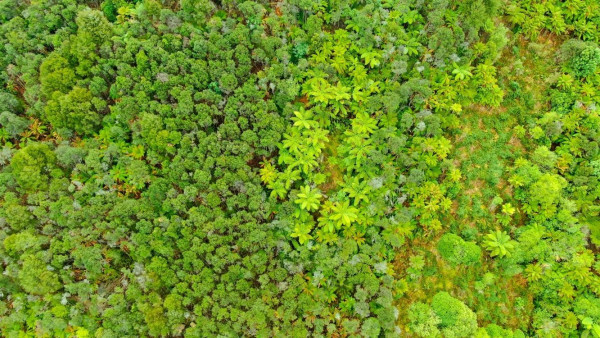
(295, 168)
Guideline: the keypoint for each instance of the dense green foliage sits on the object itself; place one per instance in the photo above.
(374, 168)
